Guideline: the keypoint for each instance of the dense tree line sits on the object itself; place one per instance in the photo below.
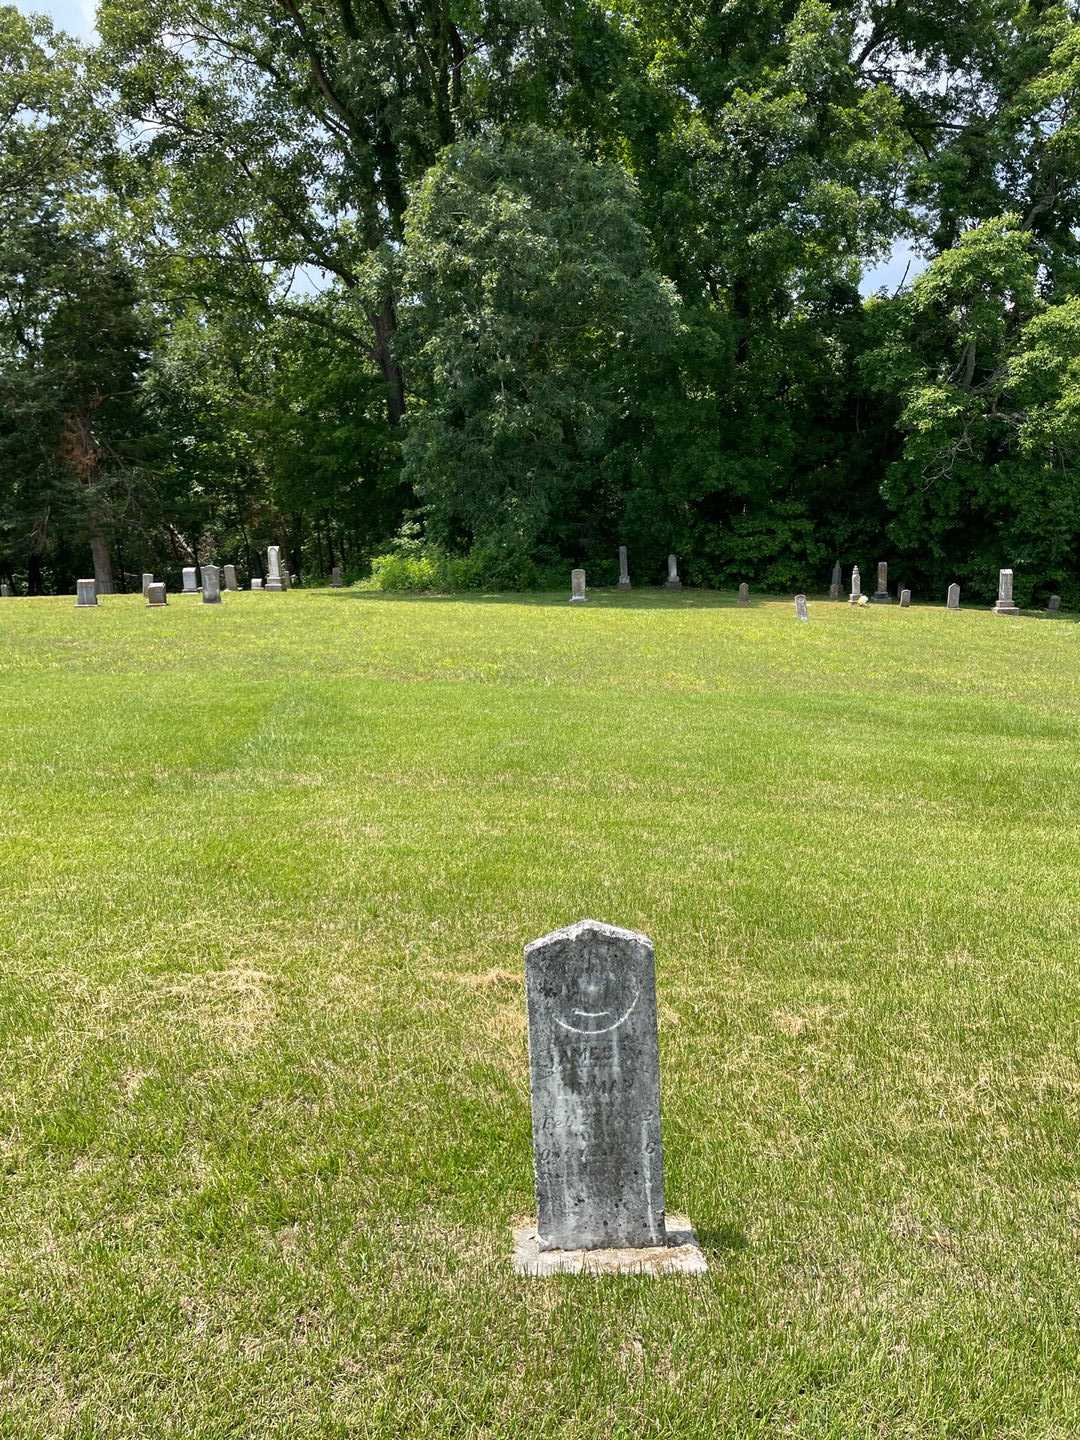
(496, 286)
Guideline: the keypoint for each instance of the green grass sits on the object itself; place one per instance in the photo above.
(266, 870)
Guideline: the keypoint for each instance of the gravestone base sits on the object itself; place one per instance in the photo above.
(1006, 610)
(881, 597)
(624, 584)
(682, 1255)
(274, 585)
(672, 584)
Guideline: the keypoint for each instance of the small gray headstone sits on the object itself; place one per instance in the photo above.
(1054, 603)
(801, 612)
(293, 582)
(595, 1077)
(273, 568)
(1005, 604)
(624, 571)
(5, 591)
(230, 578)
(211, 585)
(190, 588)
(86, 593)
(881, 595)
(577, 587)
(672, 582)
(837, 581)
(744, 593)
(905, 598)
(336, 577)
(147, 581)
(155, 594)
(952, 599)
(856, 586)
(256, 584)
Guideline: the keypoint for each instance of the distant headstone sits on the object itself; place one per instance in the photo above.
(624, 572)
(5, 591)
(801, 612)
(147, 581)
(86, 593)
(836, 582)
(856, 586)
(672, 582)
(905, 598)
(256, 584)
(336, 578)
(190, 588)
(577, 587)
(211, 585)
(230, 578)
(273, 568)
(744, 593)
(1054, 603)
(881, 595)
(155, 594)
(952, 600)
(1005, 604)
(595, 1077)
(293, 582)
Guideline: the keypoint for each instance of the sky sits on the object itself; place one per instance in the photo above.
(77, 17)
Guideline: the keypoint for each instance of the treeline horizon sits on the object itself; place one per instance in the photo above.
(467, 295)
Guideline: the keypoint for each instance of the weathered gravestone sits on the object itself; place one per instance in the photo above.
(336, 577)
(595, 1079)
(881, 595)
(273, 568)
(188, 573)
(836, 582)
(952, 600)
(293, 582)
(856, 586)
(230, 578)
(744, 593)
(147, 581)
(624, 570)
(1054, 603)
(577, 587)
(155, 594)
(1005, 604)
(256, 584)
(801, 612)
(5, 591)
(211, 585)
(905, 598)
(672, 582)
(86, 592)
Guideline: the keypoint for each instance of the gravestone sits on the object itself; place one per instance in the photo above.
(5, 591)
(1054, 603)
(155, 594)
(336, 577)
(256, 584)
(577, 587)
(801, 612)
(836, 582)
(881, 595)
(273, 568)
(211, 585)
(624, 571)
(86, 593)
(1005, 604)
(230, 578)
(905, 598)
(293, 582)
(147, 581)
(285, 581)
(952, 600)
(856, 586)
(744, 593)
(190, 587)
(672, 582)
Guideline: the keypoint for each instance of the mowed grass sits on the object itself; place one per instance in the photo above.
(267, 870)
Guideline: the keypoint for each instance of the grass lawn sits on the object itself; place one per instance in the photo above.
(266, 871)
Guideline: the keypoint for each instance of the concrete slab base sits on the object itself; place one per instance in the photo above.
(682, 1255)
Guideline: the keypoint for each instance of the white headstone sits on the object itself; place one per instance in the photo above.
(86, 593)
(256, 584)
(147, 581)
(230, 578)
(190, 588)
(211, 585)
(952, 599)
(856, 586)
(801, 612)
(905, 598)
(273, 568)
(1005, 604)
(155, 594)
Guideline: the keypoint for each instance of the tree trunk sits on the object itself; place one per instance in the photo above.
(33, 574)
(103, 578)
(383, 324)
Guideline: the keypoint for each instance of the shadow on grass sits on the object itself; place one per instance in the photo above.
(721, 1239)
